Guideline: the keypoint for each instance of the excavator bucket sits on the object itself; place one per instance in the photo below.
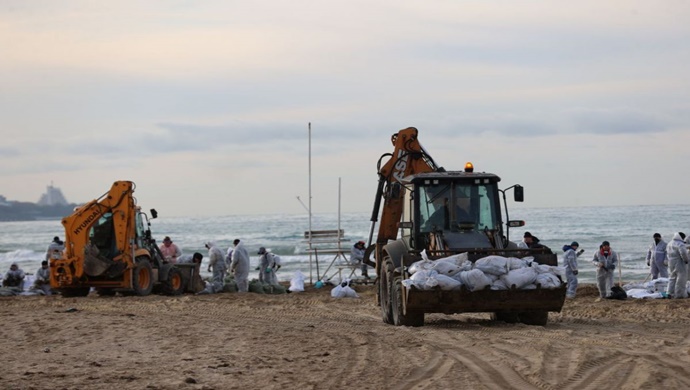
(94, 263)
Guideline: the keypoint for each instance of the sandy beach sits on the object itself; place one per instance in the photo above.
(311, 341)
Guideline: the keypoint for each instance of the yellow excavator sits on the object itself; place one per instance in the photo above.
(426, 208)
(108, 247)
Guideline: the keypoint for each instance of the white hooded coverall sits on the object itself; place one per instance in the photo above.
(605, 271)
(240, 267)
(217, 264)
(678, 267)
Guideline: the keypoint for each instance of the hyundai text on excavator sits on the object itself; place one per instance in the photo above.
(445, 213)
(108, 246)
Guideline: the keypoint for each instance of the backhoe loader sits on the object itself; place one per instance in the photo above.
(446, 213)
(108, 246)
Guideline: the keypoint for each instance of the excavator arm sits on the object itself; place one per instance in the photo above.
(119, 207)
(408, 157)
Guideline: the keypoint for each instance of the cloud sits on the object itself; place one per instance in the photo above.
(617, 121)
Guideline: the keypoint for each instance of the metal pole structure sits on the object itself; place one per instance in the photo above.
(339, 249)
(310, 248)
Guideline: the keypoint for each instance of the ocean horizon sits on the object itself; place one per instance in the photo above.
(629, 229)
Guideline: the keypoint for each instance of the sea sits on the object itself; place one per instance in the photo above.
(629, 229)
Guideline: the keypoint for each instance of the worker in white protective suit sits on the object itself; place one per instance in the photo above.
(357, 257)
(55, 248)
(570, 263)
(656, 257)
(216, 265)
(606, 260)
(228, 256)
(269, 263)
(678, 267)
(42, 280)
(14, 277)
(240, 266)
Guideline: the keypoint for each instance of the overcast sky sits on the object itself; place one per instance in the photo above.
(205, 105)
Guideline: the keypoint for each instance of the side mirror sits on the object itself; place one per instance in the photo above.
(154, 214)
(516, 223)
(519, 193)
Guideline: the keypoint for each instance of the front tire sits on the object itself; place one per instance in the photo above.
(384, 291)
(411, 318)
(174, 285)
(142, 277)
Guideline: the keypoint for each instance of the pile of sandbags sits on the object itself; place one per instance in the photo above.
(653, 289)
(344, 290)
(495, 272)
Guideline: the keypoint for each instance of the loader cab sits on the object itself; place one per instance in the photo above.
(141, 229)
(102, 236)
(460, 209)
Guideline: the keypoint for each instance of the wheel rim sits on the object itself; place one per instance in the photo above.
(144, 278)
(176, 282)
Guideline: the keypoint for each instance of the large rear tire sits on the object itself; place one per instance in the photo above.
(411, 318)
(534, 318)
(174, 285)
(142, 278)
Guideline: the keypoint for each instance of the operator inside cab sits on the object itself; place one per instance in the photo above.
(439, 213)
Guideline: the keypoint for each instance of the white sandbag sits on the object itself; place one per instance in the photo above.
(530, 286)
(642, 293)
(447, 283)
(420, 265)
(474, 279)
(430, 282)
(350, 292)
(493, 277)
(495, 265)
(541, 268)
(297, 282)
(423, 275)
(515, 263)
(408, 283)
(548, 280)
(458, 259)
(446, 267)
(423, 279)
(659, 284)
(520, 277)
(337, 292)
(499, 285)
(558, 271)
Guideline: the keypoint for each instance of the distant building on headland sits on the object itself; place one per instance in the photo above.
(52, 197)
(51, 206)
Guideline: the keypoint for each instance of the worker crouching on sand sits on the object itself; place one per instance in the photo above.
(216, 264)
(14, 277)
(42, 281)
(678, 267)
(240, 266)
(605, 260)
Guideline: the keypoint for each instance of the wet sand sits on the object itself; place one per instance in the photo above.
(311, 341)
